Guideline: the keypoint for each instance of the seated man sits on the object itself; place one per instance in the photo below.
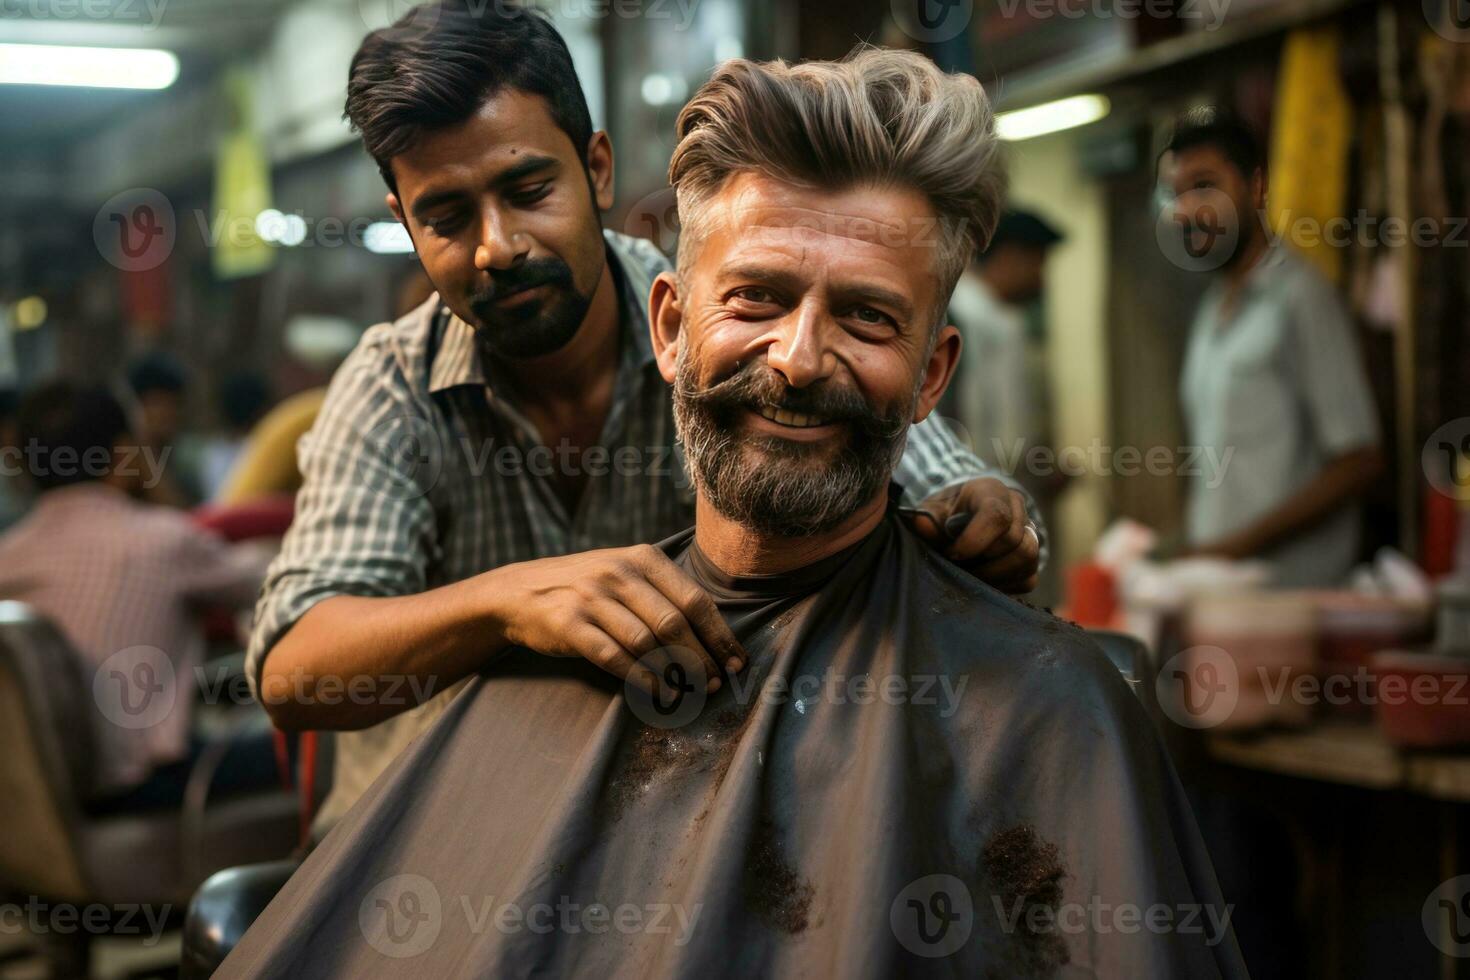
(916, 771)
(123, 581)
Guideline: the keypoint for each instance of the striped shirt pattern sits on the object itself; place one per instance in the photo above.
(417, 475)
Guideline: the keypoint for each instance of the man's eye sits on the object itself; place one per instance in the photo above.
(444, 224)
(870, 317)
(530, 195)
(756, 295)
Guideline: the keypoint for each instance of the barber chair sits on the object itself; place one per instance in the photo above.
(52, 848)
(1132, 658)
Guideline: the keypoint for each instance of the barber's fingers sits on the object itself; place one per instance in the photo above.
(698, 611)
(670, 628)
(997, 528)
(599, 647)
(641, 640)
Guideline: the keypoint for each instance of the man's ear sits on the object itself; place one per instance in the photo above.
(600, 169)
(665, 321)
(396, 208)
(938, 371)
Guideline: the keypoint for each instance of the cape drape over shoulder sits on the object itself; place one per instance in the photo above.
(914, 773)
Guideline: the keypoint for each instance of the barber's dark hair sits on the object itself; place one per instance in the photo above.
(66, 424)
(440, 62)
(1221, 128)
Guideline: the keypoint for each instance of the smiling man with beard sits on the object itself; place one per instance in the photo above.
(914, 771)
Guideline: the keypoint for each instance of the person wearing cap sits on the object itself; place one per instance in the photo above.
(1273, 380)
(997, 390)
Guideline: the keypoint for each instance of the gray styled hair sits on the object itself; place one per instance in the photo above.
(889, 118)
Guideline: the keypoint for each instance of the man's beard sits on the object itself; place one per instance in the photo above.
(775, 486)
(535, 328)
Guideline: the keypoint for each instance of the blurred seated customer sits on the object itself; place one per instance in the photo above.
(1273, 384)
(158, 384)
(244, 397)
(122, 580)
(267, 465)
(802, 339)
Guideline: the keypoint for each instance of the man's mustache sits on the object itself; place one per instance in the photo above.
(756, 386)
(527, 275)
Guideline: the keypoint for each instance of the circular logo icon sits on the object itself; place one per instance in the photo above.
(1199, 230)
(1450, 19)
(933, 916)
(403, 458)
(135, 230)
(400, 20)
(932, 21)
(134, 688)
(655, 217)
(681, 692)
(1446, 917)
(401, 916)
(1446, 458)
(1198, 687)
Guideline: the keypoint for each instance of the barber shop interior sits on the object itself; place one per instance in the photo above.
(734, 488)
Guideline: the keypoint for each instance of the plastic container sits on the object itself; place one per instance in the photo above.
(1422, 699)
(1271, 641)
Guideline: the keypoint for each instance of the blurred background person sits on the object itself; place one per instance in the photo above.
(244, 398)
(159, 385)
(1273, 375)
(124, 581)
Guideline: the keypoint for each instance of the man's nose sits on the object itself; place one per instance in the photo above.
(801, 352)
(502, 245)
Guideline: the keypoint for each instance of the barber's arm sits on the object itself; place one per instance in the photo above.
(1321, 356)
(346, 616)
(1004, 541)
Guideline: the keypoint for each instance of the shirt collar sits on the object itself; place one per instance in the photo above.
(456, 359)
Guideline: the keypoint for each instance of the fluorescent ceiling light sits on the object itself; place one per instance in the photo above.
(387, 238)
(1051, 117)
(55, 64)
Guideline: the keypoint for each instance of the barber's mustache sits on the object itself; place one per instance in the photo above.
(527, 275)
(755, 386)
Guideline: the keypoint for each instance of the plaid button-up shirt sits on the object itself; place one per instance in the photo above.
(417, 474)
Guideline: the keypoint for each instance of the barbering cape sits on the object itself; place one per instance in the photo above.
(914, 773)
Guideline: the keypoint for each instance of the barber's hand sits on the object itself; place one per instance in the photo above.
(613, 607)
(998, 544)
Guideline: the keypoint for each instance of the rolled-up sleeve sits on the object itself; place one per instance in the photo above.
(934, 459)
(364, 523)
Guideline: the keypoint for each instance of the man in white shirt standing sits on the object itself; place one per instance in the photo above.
(1273, 381)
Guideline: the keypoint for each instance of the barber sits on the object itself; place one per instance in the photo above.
(488, 470)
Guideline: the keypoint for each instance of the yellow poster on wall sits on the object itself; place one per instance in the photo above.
(1309, 149)
(242, 186)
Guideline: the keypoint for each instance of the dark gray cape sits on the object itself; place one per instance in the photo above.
(1026, 823)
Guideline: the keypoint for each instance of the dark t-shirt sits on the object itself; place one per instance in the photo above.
(914, 773)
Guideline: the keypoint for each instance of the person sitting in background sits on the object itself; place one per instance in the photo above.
(157, 382)
(122, 580)
(790, 822)
(1273, 379)
(244, 398)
